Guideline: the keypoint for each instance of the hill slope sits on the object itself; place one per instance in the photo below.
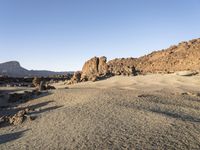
(184, 56)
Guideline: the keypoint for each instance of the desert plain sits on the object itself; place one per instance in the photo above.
(154, 111)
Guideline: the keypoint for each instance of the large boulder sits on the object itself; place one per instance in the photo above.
(94, 68)
(90, 67)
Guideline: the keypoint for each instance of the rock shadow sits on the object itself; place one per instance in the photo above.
(159, 110)
(33, 111)
(11, 136)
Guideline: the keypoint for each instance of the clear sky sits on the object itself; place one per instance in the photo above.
(61, 35)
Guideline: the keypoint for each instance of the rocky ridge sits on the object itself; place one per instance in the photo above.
(181, 57)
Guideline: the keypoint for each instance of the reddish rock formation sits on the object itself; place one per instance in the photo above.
(184, 56)
(98, 67)
(76, 78)
(94, 68)
(103, 67)
(122, 66)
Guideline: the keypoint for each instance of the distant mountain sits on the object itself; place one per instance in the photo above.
(14, 69)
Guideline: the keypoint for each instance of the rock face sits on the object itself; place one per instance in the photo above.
(97, 68)
(122, 66)
(103, 67)
(182, 57)
(94, 68)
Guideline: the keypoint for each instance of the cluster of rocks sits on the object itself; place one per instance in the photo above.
(122, 66)
(184, 56)
(76, 78)
(6, 81)
(41, 85)
(97, 68)
(94, 68)
(17, 118)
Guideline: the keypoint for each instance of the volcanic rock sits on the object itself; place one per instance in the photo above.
(18, 118)
(94, 68)
(76, 78)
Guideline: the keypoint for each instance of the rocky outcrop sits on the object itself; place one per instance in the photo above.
(76, 78)
(103, 66)
(181, 57)
(184, 56)
(94, 68)
(40, 84)
(17, 118)
(122, 66)
(97, 68)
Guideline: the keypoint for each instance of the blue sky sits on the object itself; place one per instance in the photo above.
(62, 34)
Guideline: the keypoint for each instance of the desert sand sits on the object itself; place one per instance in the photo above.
(138, 112)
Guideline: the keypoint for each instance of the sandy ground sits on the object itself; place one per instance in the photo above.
(142, 112)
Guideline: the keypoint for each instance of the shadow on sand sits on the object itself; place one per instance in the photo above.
(157, 107)
(11, 136)
(33, 109)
